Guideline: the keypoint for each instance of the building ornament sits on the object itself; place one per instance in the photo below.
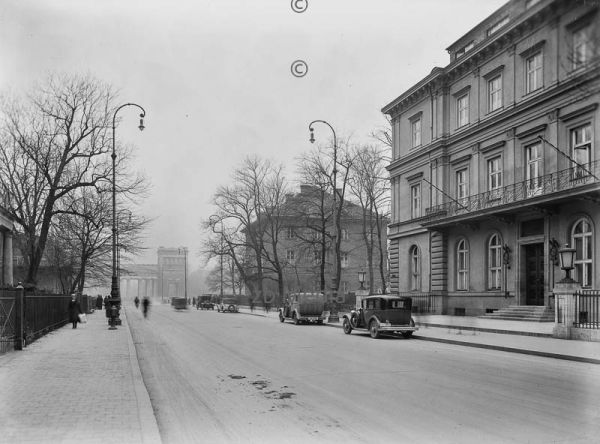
(493, 146)
(531, 131)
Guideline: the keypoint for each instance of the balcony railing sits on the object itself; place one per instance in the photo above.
(563, 180)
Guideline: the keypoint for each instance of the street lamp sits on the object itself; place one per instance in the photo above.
(185, 250)
(567, 257)
(361, 279)
(333, 316)
(212, 222)
(115, 295)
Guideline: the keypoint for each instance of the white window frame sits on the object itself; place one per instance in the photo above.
(581, 50)
(495, 262)
(494, 175)
(534, 168)
(344, 234)
(462, 184)
(415, 268)
(289, 233)
(415, 201)
(415, 132)
(290, 256)
(494, 93)
(344, 260)
(462, 265)
(581, 149)
(583, 242)
(534, 72)
(462, 110)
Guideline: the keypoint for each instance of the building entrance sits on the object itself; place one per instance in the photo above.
(534, 274)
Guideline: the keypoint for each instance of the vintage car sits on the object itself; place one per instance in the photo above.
(381, 314)
(205, 303)
(303, 308)
(179, 303)
(227, 304)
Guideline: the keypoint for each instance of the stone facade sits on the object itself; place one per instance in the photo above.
(496, 161)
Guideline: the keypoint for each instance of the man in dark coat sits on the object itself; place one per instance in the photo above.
(74, 310)
(99, 302)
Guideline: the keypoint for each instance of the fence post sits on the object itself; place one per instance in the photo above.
(565, 306)
(19, 315)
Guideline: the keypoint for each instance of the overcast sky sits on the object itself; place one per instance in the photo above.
(215, 78)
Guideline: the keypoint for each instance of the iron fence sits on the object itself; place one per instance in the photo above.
(44, 313)
(8, 325)
(587, 309)
(422, 302)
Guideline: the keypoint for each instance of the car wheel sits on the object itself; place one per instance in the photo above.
(231, 308)
(407, 334)
(281, 318)
(320, 322)
(374, 329)
(295, 319)
(346, 326)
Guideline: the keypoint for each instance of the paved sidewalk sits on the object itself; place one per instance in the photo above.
(76, 386)
(532, 338)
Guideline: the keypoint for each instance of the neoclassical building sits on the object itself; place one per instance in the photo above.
(6, 248)
(496, 162)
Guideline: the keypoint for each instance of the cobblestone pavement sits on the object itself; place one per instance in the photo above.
(76, 386)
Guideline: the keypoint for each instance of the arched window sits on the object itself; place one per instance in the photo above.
(462, 265)
(495, 263)
(415, 268)
(582, 241)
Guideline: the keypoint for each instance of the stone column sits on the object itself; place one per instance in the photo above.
(1, 258)
(564, 309)
(7, 254)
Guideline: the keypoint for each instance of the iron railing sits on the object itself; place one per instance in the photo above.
(422, 302)
(563, 180)
(8, 325)
(587, 309)
(44, 313)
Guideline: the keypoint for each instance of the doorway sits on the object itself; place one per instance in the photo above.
(534, 274)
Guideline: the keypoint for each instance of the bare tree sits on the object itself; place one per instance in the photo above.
(52, 144)
(369, 185)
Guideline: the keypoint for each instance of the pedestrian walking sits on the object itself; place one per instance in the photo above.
(74, 310)
(251, 305)
(136, 301)
(146, 306)
(99, 302)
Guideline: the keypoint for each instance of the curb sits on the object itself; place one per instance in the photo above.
(148, 424)
(510, 349)
(486, 346)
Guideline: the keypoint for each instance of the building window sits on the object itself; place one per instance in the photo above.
(533, 154)
(582, 46)
(415, 201)
(495, 173)
(581, 149)
(415, 268)
(465, 49)
(344, 260)
(289, 233)
(533, 73)
(317, 257)
(344, 234)
(345, 287)
(495, 263)
(496, 26)
(290, 255)
(582, 241)
(462, 184)
(495, 93)
(462, 110)
(415, 126)
(462, 265)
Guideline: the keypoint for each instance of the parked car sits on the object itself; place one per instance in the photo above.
(303, 307)
(179, 303)
(381, 314)
(227, 304)
(205, 303)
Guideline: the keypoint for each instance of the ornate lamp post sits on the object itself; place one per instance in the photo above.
(115, 295)
(185, 251)
(567, 257)
(333, 315)
(361, 279)
(213, 221)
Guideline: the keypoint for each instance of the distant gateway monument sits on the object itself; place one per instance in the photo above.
(161, 281)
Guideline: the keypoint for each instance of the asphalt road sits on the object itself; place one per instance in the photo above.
(236, 378)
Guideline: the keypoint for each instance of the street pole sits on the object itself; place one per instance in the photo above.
(115, 295)
(333, 315)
